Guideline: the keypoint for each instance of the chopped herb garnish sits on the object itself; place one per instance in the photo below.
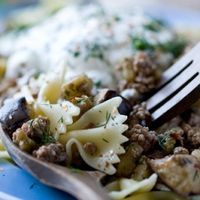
(47, 138)
(196, 175)
(76, 53)
(162, 139)
(105, 140)
(175, 47)
(31, 123)
(98, 84)
(19, 27)
(61, 120)
(154, 25)
(140, 43)
(117, 18)
(95, 51)
(36, 75)
(80, 100)
(113, 118)
(108, 116)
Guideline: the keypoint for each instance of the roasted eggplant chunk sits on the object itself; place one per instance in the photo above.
(125, 107)
(13, 114)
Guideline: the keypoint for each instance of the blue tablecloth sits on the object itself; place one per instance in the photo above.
(16, 184)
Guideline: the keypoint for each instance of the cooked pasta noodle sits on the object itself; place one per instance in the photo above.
(129, 186)
(106, 134)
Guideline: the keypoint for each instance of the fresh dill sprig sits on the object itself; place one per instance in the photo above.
(61, 120)
(196, 175)
(81, 100)
(98, 84)
(162, 139)
(47, 138)
(108, 116)
(105, 140)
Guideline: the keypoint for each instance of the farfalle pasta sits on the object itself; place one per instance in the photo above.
(125, 187)
(60, 115)
(52, 85)
(106, 133)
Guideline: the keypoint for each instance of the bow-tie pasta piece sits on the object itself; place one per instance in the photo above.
(102, 126)
(60, 115)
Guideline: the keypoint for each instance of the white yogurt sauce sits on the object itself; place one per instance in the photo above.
(91, 40)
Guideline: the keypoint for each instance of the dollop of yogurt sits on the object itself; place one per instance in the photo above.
(91, 40)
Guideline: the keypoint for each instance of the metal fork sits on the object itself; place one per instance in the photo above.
(178, 90)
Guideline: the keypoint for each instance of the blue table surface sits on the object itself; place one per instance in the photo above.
(16, 184)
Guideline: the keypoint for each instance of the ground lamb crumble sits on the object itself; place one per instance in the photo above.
(138, 72)
(54, 153)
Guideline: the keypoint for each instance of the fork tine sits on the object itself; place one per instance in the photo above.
(173, 83)
(171, 89)
(179, 67)
(179, 103)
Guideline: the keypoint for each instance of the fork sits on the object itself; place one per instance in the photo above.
(178, 90)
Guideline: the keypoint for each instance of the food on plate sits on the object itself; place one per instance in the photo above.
(74, 89)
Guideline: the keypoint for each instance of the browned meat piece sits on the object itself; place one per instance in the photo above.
(145, 138)
(90, 148)
(180, 150)
(128, 161)
(191, 127)
(194, 119)
(171, 124)
(138, 72)
(169, 139)
(21, 139)
(33, 133)
(180, 172)
(142, 170)
(54, 153)
(139, 115)
(192, 135)
(77, 160)
(156, 154)
(36, 128)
